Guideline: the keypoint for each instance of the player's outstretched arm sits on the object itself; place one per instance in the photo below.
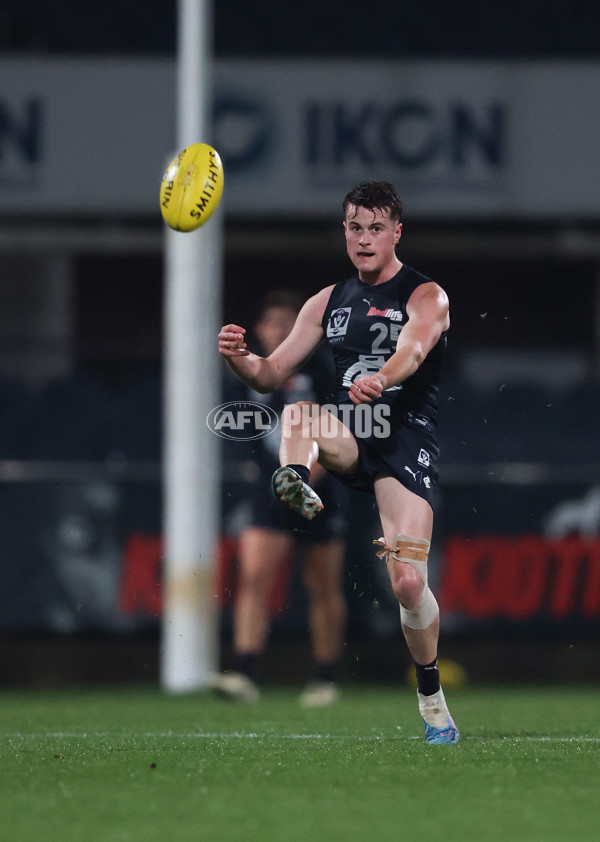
(251, 368)
(231, 341)
(428, 318)
(265, 374)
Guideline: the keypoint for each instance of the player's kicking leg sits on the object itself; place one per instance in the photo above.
(310, 434)
(289, 487)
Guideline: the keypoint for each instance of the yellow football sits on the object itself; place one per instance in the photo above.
(191, 187)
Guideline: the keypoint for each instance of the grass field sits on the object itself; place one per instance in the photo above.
(124, 765)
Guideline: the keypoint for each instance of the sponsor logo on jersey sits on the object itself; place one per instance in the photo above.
(394, 315)
(423, 458)
(337, 324)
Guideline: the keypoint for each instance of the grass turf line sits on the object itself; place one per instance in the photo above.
(140, 765)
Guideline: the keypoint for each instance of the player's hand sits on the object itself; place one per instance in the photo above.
(231, 341)
(365, 389)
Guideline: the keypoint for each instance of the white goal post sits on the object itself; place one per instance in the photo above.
(193, 268)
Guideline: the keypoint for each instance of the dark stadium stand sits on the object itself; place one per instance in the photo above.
(78, 419)
(413, 28)
(520, 422)
(15, 415)
(134, 427)
(68, 421)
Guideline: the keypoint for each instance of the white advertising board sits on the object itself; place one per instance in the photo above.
(458, 139)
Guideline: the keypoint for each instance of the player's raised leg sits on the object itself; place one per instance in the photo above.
(310, 434)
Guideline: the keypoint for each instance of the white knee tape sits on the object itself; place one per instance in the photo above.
(413, 551)
(424, 614)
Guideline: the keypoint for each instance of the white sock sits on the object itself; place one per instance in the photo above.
(434, 709)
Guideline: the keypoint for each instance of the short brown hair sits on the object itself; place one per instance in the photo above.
(375, 194)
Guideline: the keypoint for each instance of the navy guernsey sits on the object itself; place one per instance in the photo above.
(362, 324)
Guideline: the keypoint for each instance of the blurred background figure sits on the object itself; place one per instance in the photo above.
(273, 532)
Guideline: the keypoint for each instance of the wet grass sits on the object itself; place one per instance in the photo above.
(141, 765)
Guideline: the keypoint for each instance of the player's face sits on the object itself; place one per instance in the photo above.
(371, 238)
(274, 326)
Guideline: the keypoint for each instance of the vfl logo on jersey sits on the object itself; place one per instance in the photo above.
(338, 322)
(394, 315)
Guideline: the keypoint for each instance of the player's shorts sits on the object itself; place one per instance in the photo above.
(269, 513)
(410, 454)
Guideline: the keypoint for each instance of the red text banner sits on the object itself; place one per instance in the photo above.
(520, 577)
